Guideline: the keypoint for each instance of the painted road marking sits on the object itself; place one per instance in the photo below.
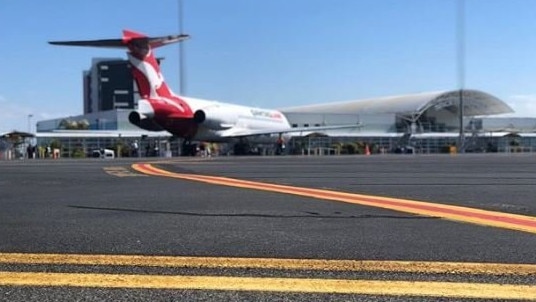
(272, 284)
(340, 286)
(455, 213)
(431, 267)
(121, 172)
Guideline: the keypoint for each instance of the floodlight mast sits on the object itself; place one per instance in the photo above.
(461, 69)
(182, 79)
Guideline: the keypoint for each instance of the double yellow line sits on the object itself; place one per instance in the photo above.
(455, 213)
(265, 284)
(429, 267)
(326, 286)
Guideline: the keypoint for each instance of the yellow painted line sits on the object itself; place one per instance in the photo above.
(362, 287)
(455, 213)
(274, 263)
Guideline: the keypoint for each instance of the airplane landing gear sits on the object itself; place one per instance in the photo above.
(188, 149)
(241, 147)
(280, 145)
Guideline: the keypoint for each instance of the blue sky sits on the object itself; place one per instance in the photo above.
(272, 54)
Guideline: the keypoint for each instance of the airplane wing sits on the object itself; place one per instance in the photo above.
(241, 132)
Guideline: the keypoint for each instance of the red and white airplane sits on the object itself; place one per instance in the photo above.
(184, 117)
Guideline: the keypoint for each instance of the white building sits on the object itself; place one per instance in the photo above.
(429, 112)
(428, 121)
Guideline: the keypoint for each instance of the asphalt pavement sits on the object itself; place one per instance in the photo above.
(104, 207)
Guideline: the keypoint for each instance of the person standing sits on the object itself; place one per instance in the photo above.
(135, 149)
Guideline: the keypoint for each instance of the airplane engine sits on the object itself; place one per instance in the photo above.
(216, 118)
(143, 117)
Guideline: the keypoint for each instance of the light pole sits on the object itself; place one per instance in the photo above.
(182, 80)
(30, 123)
(461, 68)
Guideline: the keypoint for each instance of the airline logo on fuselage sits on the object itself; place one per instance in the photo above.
(265, 113)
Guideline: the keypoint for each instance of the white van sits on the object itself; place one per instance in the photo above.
(103, 153)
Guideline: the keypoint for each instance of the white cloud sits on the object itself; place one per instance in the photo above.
(523, 105)
(15, 116)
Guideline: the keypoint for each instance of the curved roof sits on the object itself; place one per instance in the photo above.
(16, 134)
(475, 103)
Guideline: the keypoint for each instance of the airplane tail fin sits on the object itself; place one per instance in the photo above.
(146, 70)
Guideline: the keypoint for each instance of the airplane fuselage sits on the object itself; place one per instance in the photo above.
(225, 120)
(191, 118)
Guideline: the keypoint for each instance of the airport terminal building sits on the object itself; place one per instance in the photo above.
(425, 122)
(421, 123)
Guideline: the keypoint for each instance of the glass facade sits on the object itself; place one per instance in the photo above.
(406, 144)
(138, 146)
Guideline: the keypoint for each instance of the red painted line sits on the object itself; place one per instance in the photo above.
(415, 206)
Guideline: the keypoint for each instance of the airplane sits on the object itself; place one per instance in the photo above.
(190, 119)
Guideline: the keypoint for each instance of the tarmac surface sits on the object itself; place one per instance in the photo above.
(72, 209)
